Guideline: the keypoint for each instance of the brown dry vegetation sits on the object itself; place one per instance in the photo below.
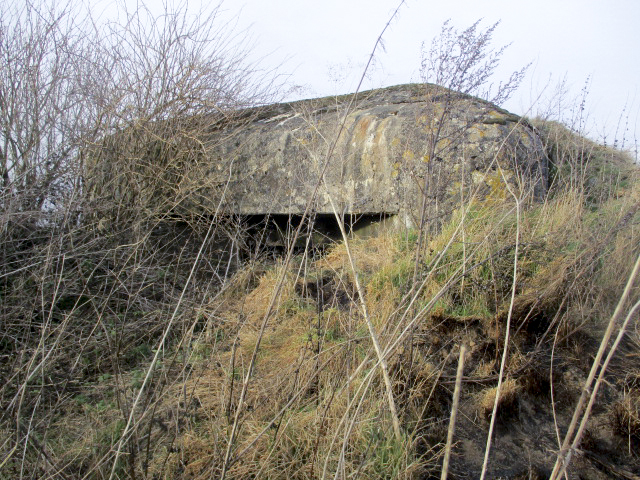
(315, 402)
(137, 343)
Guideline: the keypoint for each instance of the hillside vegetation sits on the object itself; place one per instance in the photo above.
(144, 340)
(128, 360)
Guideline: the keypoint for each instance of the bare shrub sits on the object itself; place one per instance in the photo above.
(103, 133)
(170, 83)
(465, 62)
(456, 66)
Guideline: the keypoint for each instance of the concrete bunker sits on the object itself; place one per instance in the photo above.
(410, 153)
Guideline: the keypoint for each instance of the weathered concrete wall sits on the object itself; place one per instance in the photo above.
(380, 162)
(406, 150)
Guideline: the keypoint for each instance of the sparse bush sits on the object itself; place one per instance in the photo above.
(581, 165)
(90, 287)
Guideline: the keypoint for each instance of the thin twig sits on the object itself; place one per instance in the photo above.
(564, 455)
(167, 329)
(312, 197)
(454, 412)
(505, 349)
(372, 331)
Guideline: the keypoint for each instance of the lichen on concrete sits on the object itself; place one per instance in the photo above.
(396, 150)
(381, 158)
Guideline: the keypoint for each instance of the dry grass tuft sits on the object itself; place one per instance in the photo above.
(625, 416)
(625, 413)
(371, 254)
(257, 300)
(507, 404)
(483, 369)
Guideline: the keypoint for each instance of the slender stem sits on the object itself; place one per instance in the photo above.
(227, 457)
(372, 331)
(505, 349)
(147, 378)
(564, 455)
(454, 412)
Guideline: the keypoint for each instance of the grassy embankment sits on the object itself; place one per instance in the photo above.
(83, 317)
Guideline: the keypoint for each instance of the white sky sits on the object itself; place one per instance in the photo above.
(324, 44)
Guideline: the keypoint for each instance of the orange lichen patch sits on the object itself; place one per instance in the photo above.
(395, 169)
(380, 131)
(362, 129)
(494, 117)
(476, 133)
(497, 187)
(442, 145)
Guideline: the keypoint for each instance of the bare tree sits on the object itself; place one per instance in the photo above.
(68, 83)
(165, 84)
(42, 108)
(103, 120)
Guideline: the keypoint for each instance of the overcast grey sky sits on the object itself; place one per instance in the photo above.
(324, 45)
